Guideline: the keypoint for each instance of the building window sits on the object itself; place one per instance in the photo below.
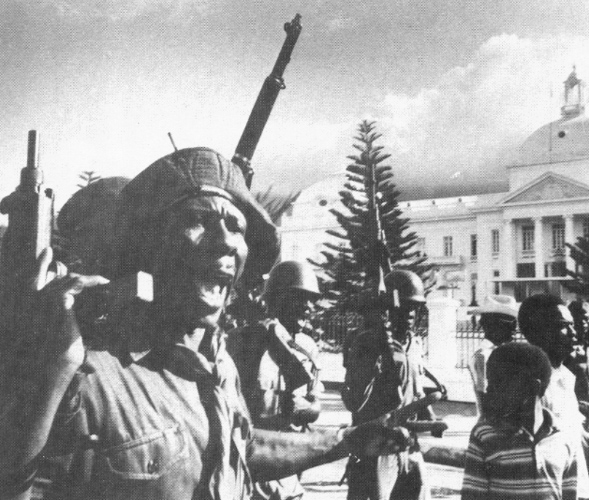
(496, 285)
(448, 250)
(526, 270)
(473, 247)
(557, 236)
(586, 228)
(495, 241)
(555, 269)
(528, 238)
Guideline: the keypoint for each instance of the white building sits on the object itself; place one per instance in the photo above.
(510, 242)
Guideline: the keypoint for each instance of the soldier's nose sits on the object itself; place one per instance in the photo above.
(223, 240)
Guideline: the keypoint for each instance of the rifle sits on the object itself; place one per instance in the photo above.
(273, 84)
(404, 416)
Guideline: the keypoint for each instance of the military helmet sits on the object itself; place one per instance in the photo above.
(291, 274)
(408, 285)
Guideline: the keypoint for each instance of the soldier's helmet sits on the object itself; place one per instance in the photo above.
(291, 275)
(408, 286)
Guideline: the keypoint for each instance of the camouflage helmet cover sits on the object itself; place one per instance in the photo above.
(183, 174)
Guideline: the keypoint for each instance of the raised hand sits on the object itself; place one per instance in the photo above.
(53, 315)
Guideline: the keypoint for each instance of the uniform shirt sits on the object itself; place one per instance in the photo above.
(140, 428)
(379, 378)
(507, 463)
(266, 394)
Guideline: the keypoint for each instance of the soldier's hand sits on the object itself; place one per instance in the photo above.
(54, 319)
(306, 409)
(381, 436)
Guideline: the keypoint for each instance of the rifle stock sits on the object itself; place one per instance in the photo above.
(401, 415)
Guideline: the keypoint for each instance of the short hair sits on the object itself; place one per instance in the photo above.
(519, 357)
(533, 312)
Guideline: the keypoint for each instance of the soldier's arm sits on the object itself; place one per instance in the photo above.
(32, 385)
(272, 455)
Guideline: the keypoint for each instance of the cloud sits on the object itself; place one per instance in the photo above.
(126, 10)
(476, 115)
(341, 23)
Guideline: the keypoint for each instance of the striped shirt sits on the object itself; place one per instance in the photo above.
(508, 463)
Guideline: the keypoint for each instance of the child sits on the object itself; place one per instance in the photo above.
(515, 451)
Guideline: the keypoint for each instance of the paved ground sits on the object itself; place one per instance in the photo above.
(322, 483)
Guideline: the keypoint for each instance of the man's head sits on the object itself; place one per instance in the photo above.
(189, 220)
(291, 288)
(517, 375)
(545, 322)
(405, 294)
(580, 311)
(498, 318)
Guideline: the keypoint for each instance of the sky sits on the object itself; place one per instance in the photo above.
(454, 86)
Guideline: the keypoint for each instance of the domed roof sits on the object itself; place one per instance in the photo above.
(561, 140)
(325, 190)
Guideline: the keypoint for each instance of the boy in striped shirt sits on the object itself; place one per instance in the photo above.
(516, 451)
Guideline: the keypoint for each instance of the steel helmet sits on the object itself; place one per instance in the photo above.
(408, 285)
(291, 274)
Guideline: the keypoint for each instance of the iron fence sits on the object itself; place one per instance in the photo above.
(336, 328)
(469, 339)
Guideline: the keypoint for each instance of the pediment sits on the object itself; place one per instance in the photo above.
(549, 187)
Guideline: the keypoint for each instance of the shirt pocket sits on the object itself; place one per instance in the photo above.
(149, 457)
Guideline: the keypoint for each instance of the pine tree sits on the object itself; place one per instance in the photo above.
(349, 265)
(87, 177)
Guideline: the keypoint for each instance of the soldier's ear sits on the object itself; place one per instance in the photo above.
(536, 385)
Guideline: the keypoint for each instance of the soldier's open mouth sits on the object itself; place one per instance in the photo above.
(212, 293)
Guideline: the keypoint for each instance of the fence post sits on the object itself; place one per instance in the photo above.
(442, 334)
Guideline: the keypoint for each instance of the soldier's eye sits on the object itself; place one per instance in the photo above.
(234, 225)
(191, 218)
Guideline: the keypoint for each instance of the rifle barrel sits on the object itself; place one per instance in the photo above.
(260, 113)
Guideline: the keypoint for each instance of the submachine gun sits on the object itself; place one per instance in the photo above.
(30, 216)
(30, 210)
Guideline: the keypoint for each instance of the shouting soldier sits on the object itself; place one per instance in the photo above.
(158, 412)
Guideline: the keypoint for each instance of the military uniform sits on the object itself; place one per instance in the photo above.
(381, 378)
(269, 399)
(150, 425)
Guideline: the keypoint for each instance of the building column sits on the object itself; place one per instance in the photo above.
(508, 253)
(538, 247)
(569, 237)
